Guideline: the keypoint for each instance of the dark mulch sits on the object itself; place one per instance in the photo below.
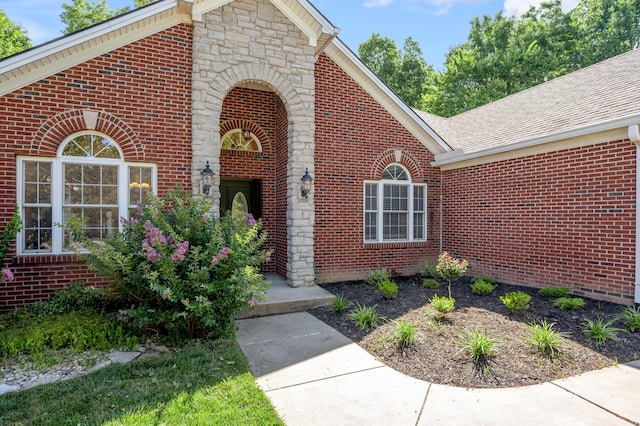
(439, 357)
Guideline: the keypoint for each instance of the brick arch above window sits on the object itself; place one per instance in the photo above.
(47, 139)
(391, 156)
(230, 125)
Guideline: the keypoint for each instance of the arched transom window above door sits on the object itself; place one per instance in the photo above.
(241, 140)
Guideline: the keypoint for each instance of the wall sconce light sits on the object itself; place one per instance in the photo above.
(305, 188)
(207, 179)
(246, 134)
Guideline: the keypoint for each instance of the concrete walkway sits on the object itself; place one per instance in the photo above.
(314, 375)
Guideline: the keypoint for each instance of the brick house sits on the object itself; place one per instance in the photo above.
(536, 189)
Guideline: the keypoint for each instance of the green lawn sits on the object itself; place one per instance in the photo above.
(207, 384)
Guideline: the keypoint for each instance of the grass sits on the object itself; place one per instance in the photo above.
(405, 334)
(630, 317)
(365, 316)
(600, 331)
(340, 303)
(478, 343)
(208, 383)
(543, 337)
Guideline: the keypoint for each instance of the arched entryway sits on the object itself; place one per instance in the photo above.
(280, 115)
(253, 163)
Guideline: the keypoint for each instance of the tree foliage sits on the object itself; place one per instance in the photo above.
(13, 38)
(504, 55)
(83, 13)
(404, 71)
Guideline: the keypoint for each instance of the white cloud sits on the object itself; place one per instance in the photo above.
(518, 7)
(377, 3)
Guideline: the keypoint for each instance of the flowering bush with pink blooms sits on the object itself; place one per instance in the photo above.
(11, 229)
(180, 269)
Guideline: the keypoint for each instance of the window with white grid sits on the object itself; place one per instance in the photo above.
(394, 207)
(88, 181)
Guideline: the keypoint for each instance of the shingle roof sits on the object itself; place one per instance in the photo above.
(604, 91)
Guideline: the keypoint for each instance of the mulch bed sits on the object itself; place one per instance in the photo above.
(439, 357)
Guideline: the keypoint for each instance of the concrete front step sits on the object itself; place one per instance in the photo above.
(282, 299)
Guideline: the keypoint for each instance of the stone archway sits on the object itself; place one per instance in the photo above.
(298, 103)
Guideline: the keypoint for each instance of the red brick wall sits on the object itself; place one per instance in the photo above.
(144, 87)
(260, 111)
(352, 132)
(561, 218)
(282, 159)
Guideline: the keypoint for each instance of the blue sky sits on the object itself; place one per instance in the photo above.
(436, 25)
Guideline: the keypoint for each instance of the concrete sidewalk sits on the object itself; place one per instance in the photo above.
(314, 375)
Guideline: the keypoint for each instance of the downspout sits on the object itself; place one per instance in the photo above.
(634, 136)
(442, 211)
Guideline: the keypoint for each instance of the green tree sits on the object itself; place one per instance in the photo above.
(504, 55)
(606, 28)
(13, 38)
(82, 13)
(404, 71)
(381, 55)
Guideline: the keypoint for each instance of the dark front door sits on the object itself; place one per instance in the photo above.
(241, 197)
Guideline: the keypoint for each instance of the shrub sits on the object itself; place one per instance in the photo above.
(76, 297)
(430, 283)
(569, 303)
(443, 304)
(11, 229)
(450, 268)
(389, 289)
(377, 277)
(340, 303)
(365, 316)
(484, 278)
(543, 337)
(600, 331)
(516, 301)
(179, 268)
(554, 291)
(630, 317)
(478, 343)
(431, 271)
(78, 331)
(482, 287)
(405, 334)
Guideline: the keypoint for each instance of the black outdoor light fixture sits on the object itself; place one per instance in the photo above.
(207, 179)
(305, 188)
(246, 134)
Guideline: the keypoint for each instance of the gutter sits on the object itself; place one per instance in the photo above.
(459, 155)
(634, 135)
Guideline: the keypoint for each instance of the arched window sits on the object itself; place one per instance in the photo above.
(241, 140)
(394, 207)
(88, 181)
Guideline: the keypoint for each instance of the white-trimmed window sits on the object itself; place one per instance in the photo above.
(394, 207)
(88, 180)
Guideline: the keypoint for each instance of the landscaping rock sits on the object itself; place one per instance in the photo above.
(120, 357)
(8, 388)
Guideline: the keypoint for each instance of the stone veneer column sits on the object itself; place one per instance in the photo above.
(253, 42)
